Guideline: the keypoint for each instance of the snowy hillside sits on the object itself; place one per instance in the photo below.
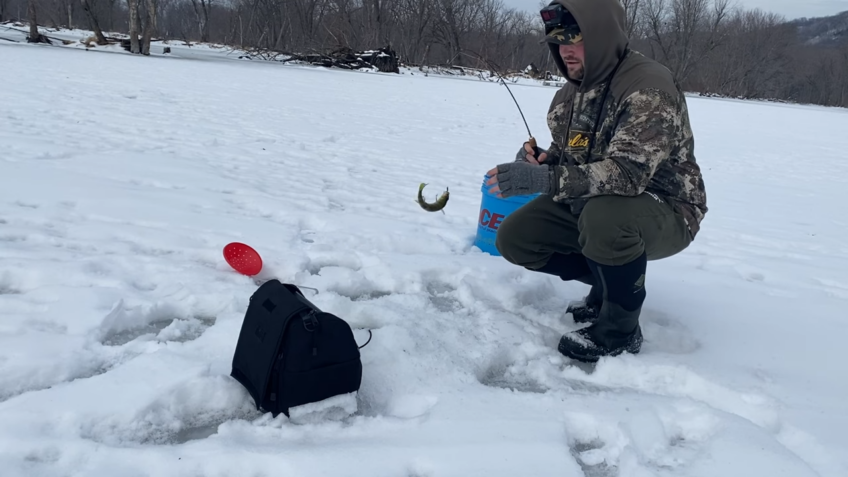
(824, 31)
(122, 178)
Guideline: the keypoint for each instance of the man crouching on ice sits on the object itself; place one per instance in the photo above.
(619, 184)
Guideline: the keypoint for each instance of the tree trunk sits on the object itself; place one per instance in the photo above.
(843, 96)
(149, 26)
(201, 11)
(112, 15)
(133, 9)
(204, 34)
(146, 35)
(95, 25)
(34, 36)
(426, 55)
(33, 22)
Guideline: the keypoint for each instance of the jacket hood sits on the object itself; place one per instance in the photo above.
(602, 23)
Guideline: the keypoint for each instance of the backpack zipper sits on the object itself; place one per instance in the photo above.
(312, 319)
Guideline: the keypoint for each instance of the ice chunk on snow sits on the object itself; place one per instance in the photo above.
(331, 409)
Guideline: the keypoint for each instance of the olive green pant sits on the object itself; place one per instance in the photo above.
(611, 230)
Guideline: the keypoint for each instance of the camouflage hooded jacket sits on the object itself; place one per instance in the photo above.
(624, 128)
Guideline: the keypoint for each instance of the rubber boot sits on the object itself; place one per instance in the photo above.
(587, 310)
(574, 266)
(617, 327)
(568, 266)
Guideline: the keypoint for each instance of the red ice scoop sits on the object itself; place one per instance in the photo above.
(243, 258)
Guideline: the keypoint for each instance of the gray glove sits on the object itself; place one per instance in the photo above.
(521, 155)
(523, 178)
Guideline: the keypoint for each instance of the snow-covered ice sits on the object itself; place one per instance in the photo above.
(122, 178)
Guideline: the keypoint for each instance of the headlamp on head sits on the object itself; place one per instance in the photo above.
(560, 26)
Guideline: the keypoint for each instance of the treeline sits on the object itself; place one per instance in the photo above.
(710, 47)
(714, 49)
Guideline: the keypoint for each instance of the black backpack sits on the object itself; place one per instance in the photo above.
(291, 353)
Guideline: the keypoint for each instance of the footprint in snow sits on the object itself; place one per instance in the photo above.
(189, 411)
(354, 294)
(345, 275)
(336, 205)
(833, 288)
(176, 330)
(7, 289)
(442, 295)
(503, 371)
(160, 323)
(44, 455)
(13, 237)
(631, 374)
(662, 437)
(353, 285)
(666, 334)
(594, 443)
(81, 365)
(586, 455)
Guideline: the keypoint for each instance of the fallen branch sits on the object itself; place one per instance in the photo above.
(383, 59)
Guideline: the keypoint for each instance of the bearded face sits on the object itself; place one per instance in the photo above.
(574, 58)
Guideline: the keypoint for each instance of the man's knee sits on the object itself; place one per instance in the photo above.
(530, 235)
(512, 240)
(522, 235)
(606, 214)
(608, 230)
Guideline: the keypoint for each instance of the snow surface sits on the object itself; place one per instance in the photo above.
(123, 177)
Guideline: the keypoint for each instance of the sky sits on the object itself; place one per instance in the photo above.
(791, 9)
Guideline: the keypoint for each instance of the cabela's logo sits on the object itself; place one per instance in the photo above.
(579, 140)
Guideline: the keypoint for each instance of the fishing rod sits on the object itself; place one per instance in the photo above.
(532, 140)
(443, 199)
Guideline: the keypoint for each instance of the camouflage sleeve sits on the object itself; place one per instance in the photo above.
(554, 153)
(642, 139)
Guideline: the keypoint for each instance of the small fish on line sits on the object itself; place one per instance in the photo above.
(440, 203)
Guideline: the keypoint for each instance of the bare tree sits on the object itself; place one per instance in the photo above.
(34, 35)
(201, 9)
(309, 15)
(93, 21)
(753, 57)
(149, 25)
(454, 21)
(415, 19)
(843, 78)
(493, 21)
(133, 26)
(684, 32)
(631, 13)
(376, 15)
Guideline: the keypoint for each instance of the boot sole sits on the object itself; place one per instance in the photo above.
(592, 359)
